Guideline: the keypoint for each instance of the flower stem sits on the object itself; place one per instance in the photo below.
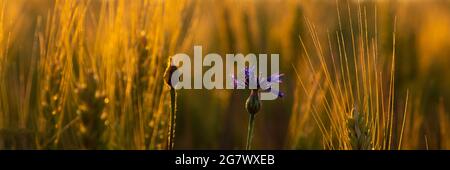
(173, 115)
(251, 125)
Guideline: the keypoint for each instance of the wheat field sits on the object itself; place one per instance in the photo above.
(358, 75)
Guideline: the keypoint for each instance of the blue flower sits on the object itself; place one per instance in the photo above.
(264, 84)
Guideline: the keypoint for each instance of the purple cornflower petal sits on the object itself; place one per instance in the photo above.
(280, 94)
(237, 83)
(263, 83)
(275, 78)
(250, 76)
(249, 71)
(266, 83)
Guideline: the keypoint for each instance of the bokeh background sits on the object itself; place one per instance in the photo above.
(107, 37)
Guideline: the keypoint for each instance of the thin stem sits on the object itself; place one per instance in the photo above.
(251, 125)
(173, 116)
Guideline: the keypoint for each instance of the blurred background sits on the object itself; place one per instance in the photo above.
(108, 58)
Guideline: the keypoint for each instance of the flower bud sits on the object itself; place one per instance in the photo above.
(253, 103)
